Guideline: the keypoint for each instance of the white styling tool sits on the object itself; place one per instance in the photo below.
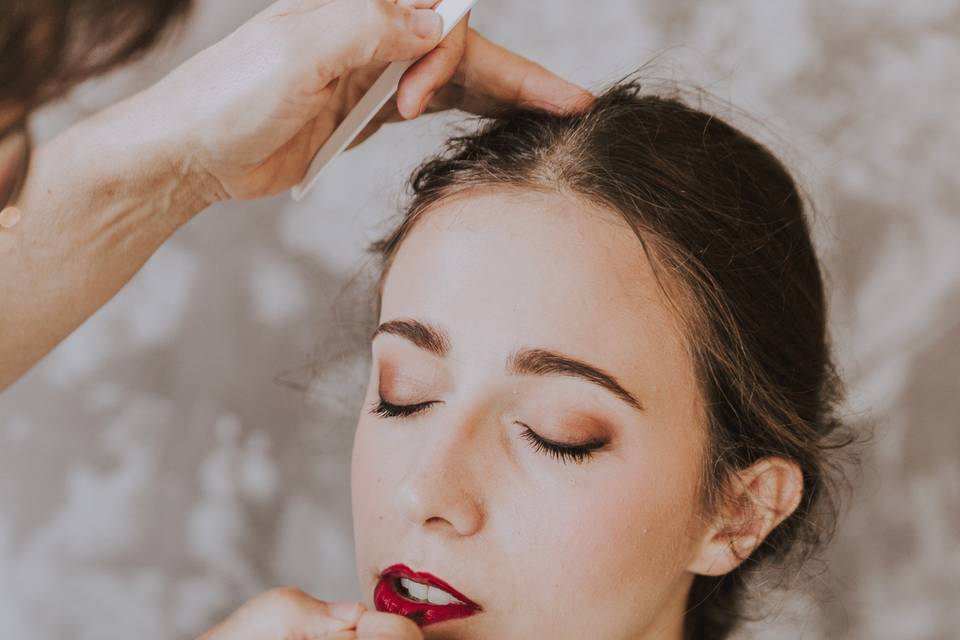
(452, 12)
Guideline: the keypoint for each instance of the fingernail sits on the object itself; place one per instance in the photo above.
(346, 611)
(427, 23)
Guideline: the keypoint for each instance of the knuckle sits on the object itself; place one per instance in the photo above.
(283, 602)
(365, 13)
(372, 18)
(286, 593)
(382, 20)
(375, 13)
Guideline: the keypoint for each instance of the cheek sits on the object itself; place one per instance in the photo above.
(371, 473)
(615, 541)
(371, 468)
(647, 527)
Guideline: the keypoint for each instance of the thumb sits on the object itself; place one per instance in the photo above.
(378, 625)
(356, 33)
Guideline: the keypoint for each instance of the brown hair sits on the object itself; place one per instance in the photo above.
(48, 46)
(724, 224)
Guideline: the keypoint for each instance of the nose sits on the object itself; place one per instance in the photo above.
(439, 491)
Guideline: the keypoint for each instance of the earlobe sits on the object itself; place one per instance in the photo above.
(757, 500)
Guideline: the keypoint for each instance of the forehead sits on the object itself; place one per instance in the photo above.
(502, 269)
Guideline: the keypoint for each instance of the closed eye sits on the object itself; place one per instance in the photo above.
(385, 409)
(577, 453)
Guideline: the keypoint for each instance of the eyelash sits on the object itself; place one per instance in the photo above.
(565, 453)
(577, 453)
(387, 410)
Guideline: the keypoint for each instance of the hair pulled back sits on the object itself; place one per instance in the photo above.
(725, 227)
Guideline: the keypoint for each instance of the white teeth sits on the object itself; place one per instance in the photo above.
(439, 596)
(426, 593)
(415, 589)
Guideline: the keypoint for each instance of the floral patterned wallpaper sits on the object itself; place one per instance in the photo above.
(169, 460)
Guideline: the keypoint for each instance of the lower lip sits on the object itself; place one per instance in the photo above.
(386, 597)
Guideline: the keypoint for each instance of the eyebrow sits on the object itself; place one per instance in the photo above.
(525, 361)
(423, 335)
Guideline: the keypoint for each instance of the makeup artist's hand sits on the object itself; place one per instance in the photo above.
(253, 109)
(241, 119)
(286, 613)
(468, 72)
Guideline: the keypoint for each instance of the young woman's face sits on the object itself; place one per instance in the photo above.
(507, 317)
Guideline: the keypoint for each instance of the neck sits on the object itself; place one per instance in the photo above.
(669, 620)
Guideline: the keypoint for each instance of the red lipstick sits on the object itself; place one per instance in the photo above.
(391, 596)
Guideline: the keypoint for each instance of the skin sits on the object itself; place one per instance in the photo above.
(459, 482)
(240, 120)
(288, 613)
(104, 195)
(606, 548)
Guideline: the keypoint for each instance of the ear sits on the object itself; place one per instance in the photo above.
(757, 500)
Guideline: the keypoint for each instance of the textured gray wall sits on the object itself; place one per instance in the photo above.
(154, 474)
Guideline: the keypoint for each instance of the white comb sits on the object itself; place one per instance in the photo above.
(452, 12)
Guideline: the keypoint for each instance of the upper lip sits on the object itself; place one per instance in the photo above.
(403, 570)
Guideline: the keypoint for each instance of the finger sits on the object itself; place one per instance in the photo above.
(389, 111)
(346, 611)
(417, 4)
(369, 32)
(496, 74)
(287, 612)
(428, 75)
(380, 625)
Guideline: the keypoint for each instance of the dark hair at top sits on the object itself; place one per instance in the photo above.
(724, 226)
(48, 46)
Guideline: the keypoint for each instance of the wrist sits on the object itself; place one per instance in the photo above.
(154, 148)
(98, 201)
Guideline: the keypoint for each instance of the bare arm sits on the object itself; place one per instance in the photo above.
(241, 119)
(99, 200)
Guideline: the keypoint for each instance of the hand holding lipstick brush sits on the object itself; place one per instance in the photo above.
(281, 614)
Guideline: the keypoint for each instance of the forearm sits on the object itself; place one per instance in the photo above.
(99, 200)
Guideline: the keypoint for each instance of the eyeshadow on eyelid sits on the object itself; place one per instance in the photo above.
(573, 425)
(402, 393)
(406, 385)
